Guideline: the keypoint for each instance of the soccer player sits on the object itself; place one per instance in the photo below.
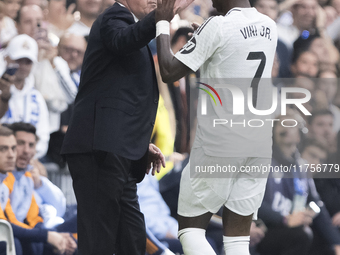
(239, 44)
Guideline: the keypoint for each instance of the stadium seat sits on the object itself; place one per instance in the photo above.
(6, 234)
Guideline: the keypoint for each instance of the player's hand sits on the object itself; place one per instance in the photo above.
(5, 84)
(155, 159)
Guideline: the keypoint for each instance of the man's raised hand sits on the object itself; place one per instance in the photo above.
(166, 9)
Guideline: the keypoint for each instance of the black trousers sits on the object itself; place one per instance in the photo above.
(109, 219)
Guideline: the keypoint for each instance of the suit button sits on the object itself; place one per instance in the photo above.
(155, 101)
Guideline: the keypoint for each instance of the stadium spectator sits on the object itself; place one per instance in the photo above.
(304, 14)
(30, 17)
(89, 11)
(320, 126)
(54, 81)
(30, 21)
(328, 188)
(25, 237)
(323, 48)
(336, 5)
(72, 49)
(107, 4)
(328, 83)
(51, 73)
(22, 198)
(11, 8)
(284, 208)
(59, 18)
(50, 199)
(25, 103)
(313, 152)
(302, 81)
(305, 63)
(8, 12)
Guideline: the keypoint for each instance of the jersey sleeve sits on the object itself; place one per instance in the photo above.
(205, 41)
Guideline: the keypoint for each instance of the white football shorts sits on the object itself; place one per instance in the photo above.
(241, 191)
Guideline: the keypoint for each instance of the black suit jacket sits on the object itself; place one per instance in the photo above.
(118, 94)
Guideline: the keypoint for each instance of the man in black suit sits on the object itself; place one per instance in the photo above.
(107, 142)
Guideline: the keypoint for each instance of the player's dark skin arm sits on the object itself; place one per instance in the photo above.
(171, 69)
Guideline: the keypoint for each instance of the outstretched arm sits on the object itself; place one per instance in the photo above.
(171, 68)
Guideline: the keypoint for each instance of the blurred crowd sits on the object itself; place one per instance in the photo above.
(42, 46)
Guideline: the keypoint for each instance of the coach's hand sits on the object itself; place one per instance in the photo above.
(166, 9)
(155, 159)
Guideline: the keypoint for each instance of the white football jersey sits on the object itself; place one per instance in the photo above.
(235, 54)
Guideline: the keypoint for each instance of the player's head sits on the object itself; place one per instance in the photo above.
(26, 143)
(313, 151)
(8, 151)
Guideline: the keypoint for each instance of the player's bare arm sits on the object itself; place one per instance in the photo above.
(171, 69)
